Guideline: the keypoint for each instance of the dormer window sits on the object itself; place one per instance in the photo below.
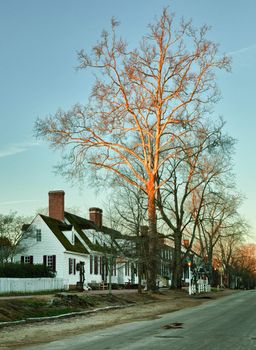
(70, 235)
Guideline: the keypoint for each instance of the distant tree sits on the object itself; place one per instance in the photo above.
(128, 208)
(142, 100)
(201, 161)
(244, 263)
(218, 216)
(6, 249)
(10, 235)
(120, 243)
(232, 238)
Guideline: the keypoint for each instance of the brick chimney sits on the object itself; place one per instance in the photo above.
(56, 205)
(95, 215)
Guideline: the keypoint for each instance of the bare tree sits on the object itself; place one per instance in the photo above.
(10, 235)
(129, 210)
(218, 214)
(244, 265)
(228, 245)
(142, 100)
(120, 245)
(6, 249)
(191, 172)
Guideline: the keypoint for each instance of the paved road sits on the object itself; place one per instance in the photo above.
(223, 324)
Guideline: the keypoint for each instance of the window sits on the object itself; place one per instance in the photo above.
(28, 259)
(50, 261)
(72, 266)
(38, 235)
(114, 268)
(127, 268)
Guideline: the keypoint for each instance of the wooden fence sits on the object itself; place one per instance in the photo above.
(9, 285)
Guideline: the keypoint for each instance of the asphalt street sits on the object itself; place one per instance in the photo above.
(223, 324)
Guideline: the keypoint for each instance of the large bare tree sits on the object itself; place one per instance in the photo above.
(142, 100)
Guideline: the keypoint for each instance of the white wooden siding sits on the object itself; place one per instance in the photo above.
(50, 245)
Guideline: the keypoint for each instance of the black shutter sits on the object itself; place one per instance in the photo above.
(101, 265)
(91, 270)
(74, 266)
(69, 266)
(44, 260)
(22, 259)
(31, 259)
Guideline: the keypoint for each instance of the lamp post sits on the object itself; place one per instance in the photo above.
(221, 270)
(189, 277)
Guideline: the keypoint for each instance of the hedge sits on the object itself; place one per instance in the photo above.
(25, 270)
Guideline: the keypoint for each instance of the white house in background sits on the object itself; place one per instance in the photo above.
(65, 242)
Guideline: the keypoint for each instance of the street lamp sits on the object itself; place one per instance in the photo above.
(189, 277)
(221, 270)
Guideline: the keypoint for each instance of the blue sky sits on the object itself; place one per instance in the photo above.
(38, 44)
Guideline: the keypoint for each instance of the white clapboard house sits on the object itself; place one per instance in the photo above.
(65, 242)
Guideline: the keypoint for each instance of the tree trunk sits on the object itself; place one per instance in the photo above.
(177, 265)
(152, 242)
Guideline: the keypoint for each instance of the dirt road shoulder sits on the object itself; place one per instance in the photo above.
(14, 337)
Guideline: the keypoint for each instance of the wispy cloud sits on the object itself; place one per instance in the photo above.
(21, 201)
(242, 50)
(16, 148)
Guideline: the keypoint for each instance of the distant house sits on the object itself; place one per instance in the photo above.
(77, 249)
(84, 251)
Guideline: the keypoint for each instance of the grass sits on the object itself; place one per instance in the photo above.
(62, 303)
(15, 310)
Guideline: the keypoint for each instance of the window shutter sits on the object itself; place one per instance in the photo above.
(44, 260)
(54, 263)
(96, 265)
(22, 259)
(74, 266)
(106, 266)
(91, 271)
(31, 259)
(100, 265)
(69, 266)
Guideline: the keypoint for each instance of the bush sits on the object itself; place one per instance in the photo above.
(25, 270)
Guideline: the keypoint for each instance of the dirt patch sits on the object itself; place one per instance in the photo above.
(150, 306)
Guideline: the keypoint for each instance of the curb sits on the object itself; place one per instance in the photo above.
(68, 315)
